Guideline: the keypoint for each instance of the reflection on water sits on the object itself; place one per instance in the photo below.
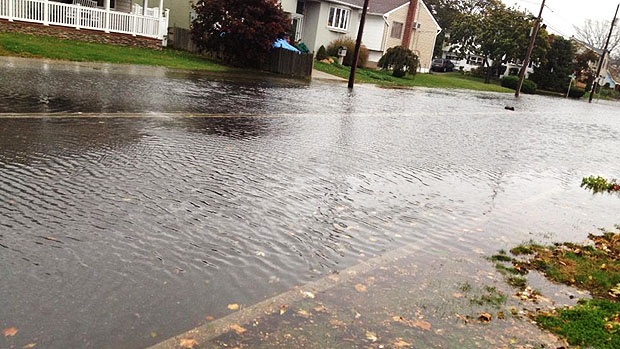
(115, 229)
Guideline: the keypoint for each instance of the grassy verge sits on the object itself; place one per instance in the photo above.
(449, 80)
(22, 45)
(594, 267)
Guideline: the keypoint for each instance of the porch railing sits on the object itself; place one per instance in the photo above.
(55, 13)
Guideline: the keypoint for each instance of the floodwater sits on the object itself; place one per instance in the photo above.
(121, 231)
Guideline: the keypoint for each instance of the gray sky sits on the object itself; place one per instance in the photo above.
(561, 15)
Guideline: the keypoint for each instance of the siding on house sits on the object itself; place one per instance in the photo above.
(289, 6)
(179, 11)
(422, 41)
(316, 31)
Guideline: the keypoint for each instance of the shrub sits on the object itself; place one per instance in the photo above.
(321, 54)
(511, 82)
(332, 50)
(401, 60)
(576, 92)
(228, 30)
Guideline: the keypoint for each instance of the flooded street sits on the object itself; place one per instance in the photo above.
(122, 230)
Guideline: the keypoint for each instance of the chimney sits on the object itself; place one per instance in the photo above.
(413, 8)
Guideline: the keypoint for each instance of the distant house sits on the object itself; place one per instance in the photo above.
(96, 17)
(406, 23)
(607, 71)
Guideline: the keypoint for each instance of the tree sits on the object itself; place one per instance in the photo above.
(239, 31)
(401, 60)
(497, 33)
(594, 33)
(553, 73)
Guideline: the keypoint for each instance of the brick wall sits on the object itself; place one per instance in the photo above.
(78, 35)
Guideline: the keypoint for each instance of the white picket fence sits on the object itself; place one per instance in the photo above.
(80, 17)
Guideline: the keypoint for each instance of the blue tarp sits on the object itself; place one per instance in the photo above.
(281, 43)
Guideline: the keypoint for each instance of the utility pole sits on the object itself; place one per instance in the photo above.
(530, 48)
(602, 60)
(358, 44)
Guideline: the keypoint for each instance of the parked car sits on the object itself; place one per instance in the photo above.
(443, 65)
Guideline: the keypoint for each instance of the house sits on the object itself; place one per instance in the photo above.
(406, 23)
(317, 23)
(95, 20)
(606, 74)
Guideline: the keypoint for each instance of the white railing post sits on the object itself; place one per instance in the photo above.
(78, 16)
(160, 9)
(11, 10)
(46, 12)
(135, 25)
(165, 25)
(145, 7)
(107, 16)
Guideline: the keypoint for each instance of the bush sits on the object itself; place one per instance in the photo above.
(332, 50)
(576, 92)
(321, 54)
(511, 82)
(226, 29)
(401, 60)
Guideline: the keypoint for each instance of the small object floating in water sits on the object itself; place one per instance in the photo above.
(509, 108)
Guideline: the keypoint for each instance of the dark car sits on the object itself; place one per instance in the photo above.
(443, 65)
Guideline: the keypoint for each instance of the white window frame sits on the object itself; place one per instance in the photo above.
(341, 15)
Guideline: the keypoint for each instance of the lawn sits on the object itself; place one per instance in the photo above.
(446, 80)
(22, 45)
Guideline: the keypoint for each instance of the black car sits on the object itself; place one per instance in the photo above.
(443, 65)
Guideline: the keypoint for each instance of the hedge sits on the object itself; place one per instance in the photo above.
(511, 82)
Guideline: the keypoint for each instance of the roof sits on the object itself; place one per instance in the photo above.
(598, 51)
(375, 6)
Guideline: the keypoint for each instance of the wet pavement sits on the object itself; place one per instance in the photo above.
(122, 230)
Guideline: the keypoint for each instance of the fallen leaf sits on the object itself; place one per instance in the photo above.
(153, 334)
(304, 313)
(485, 317)
(10, 332)
(371, 336)
(237, 328)
(421, 324)
(458, 295)
(283, 309)
(360, 288)
(401, 344)
(29, 346)
(308, 294)
(188, 343)
(209, 318)
(233, 306)
(501, 315)
(260, 253)
(320, 309)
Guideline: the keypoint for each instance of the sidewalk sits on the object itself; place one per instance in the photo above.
(319, 75)
(422, 300)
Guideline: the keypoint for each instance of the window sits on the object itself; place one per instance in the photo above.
(338, 18)
(397, 30)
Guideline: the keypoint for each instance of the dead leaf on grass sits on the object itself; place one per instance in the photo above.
(29, 346)
(308, 294)
(458, 295)
(283, 308)
(9, 332)
(233, 306)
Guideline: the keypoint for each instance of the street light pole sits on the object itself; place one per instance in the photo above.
(530, 48)
(358, 44)
(602, 60)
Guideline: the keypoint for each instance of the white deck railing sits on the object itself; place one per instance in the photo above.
(55, 13)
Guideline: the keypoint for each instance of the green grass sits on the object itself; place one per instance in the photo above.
(592, 323)
(383, 78)
(22, 45)
(491, 296)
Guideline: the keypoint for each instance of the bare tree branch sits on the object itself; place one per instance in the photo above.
(594, 33)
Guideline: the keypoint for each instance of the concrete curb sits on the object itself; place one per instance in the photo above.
(207, 332)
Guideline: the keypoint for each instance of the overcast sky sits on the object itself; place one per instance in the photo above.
(561, 15)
